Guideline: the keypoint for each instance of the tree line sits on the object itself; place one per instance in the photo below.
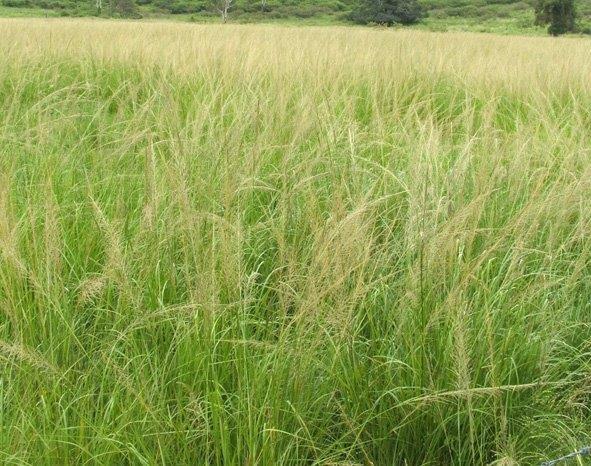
(379, 12)
(558, 15)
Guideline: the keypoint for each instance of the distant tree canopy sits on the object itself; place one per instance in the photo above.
(125, 8)
(387, 12)
(560, 15)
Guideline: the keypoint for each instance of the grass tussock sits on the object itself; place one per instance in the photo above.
(263, 245)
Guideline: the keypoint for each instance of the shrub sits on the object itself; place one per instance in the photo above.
(16, 3)
(387, 12)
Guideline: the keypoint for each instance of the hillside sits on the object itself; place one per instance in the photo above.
(477, 15)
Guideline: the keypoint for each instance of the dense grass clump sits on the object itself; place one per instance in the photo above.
(264, 245)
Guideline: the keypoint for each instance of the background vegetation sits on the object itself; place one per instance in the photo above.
(240, 245)
(501, 16)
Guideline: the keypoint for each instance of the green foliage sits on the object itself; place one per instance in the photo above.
(178, 6)
(124, 8)
(500, 16)
(387, 12)
(560, 15)
(16, 3)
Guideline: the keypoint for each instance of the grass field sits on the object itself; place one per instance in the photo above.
(262, 245)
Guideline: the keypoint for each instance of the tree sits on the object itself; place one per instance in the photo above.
(558, 14)
(125, 8)
(387, 12)
(223, 8)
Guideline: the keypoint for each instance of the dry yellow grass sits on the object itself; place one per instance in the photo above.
(327, 53)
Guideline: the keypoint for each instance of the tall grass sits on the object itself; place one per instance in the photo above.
(263, 245)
